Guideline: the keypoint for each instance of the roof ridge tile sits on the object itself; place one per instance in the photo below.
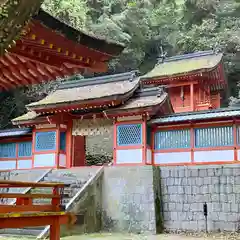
(82, 82)
(188, 55)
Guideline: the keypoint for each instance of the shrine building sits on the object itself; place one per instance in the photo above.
(170, 116)
(48, 49)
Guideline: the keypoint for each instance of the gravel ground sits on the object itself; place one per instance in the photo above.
(156, 237)
(110, 236)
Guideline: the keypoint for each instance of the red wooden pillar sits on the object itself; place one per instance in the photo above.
(192, 97)
(79, 151)
(69, 145)
(57, 146)
(55, 229)
(115, 142)
(144, 141)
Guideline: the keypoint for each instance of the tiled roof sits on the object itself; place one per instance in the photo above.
(26, 117)
(201, 115)
(183, 64)
(75, 92)
(143, 98)
(15, 132)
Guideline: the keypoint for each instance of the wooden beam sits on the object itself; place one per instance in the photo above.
(25, 208)
(14, 69)
(7, 83)
(21, 221)
(31, 55)
(7, 74)
(181, 84)
(44, 71)
(41, 53)
(30, 184)
(32, 196)
(61, 41)
(54, 52)
(23, 69)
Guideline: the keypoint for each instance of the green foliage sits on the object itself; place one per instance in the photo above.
(147, 26)
(72, 12)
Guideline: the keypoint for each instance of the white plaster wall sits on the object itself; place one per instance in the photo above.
(214, 156)
(62, 160)
(7, 165)
(238, 155)
(44, 160)
(129, 156)
(172, 157)
(24, 164)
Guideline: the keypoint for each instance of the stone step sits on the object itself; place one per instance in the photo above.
(60, 178)
(75, 183)
(48, 201)
(74, 173)
(22, 231)
(68, 192)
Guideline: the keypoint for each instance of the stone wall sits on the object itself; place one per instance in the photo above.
(186, 189)
(128, 199)
(100, 144)
(87, 206)
(98, 135)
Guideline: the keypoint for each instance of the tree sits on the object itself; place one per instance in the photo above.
(146, 26)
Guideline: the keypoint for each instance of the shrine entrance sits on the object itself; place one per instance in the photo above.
(92, 142)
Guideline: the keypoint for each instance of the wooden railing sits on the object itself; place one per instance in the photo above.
(27, 214)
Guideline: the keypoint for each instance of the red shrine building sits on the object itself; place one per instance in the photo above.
(194, 81)
(49, 49)
(170, 116)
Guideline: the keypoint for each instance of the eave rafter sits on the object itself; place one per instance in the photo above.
(43, 54)
(39, 33)
(56, 59)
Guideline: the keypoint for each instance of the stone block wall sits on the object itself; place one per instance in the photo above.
(128, 199)
(100, 144)
(98, 135)
(186, 189)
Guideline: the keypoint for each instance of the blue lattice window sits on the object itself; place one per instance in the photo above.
(8, 150)
(129, 134)
(214, 136)
(172, 139)
(63, 141)
(45, 141)
(24, 149)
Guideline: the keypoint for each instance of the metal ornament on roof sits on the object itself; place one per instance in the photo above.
(163, 55)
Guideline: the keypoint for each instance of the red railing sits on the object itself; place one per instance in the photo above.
(27, 214)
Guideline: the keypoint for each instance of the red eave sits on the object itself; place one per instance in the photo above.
(43, 55)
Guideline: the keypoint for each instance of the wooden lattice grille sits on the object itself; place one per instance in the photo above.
(130, 134)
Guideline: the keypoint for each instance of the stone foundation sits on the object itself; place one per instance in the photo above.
(186, 189)
(128, 199)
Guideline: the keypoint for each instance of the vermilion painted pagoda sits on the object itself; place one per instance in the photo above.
(137, 112)
(46, 48)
